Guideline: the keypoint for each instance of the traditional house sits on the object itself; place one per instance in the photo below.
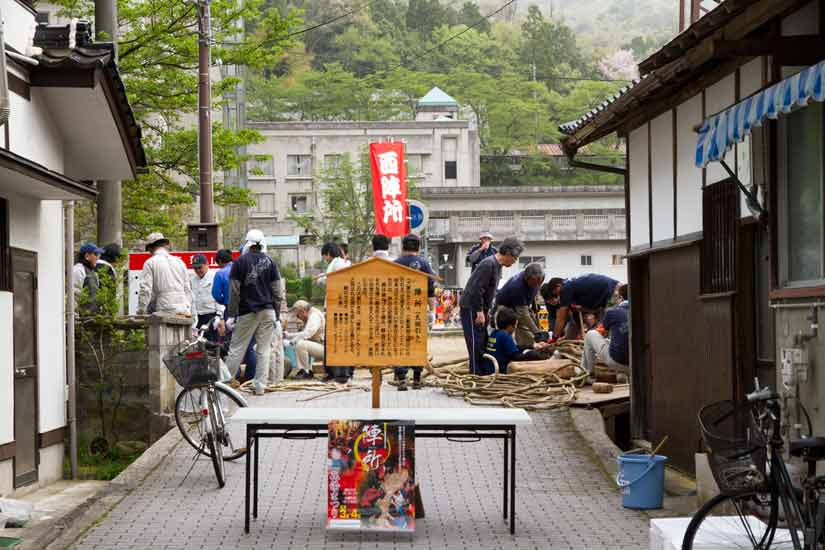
(69, 124)
(725, 185)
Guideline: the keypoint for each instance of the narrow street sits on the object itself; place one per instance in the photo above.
(564, 499)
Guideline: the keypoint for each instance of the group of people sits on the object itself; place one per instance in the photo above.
(500, 325)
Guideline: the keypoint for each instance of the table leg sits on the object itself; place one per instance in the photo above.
(247, 458)
(513, 481)
(255, 482)
(506, 462)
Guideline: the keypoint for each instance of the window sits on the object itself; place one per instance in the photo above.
(720, 226)
(586, 260)
(299, 203)
(618, 259)
(299, 165)
(415, 165)
(449, 150)
(802, 250)
(5, 258)
(259, 167)
(332, 163)
(264, 204)
(524, 261)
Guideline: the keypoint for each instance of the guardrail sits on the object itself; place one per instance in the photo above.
(531, 227)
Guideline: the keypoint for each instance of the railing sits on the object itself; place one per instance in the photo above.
(531, 227)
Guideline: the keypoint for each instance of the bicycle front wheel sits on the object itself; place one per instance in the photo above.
(189, 416)
(741, 522)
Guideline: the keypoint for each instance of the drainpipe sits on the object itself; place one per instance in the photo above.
(71, 377)
(5, 108)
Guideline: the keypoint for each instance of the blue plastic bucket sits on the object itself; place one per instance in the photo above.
(289, 353)
(642, 480)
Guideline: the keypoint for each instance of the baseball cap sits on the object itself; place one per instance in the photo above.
(255, 236)
(91, 247)
(199, 260)
(486, 235)
(156, 238)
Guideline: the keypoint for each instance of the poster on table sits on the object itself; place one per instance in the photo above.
(389, 189)
(371, 476)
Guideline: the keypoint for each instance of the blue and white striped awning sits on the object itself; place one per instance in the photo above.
(722, 131)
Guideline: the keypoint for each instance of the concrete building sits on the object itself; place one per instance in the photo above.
(70, 123)
(571, 230)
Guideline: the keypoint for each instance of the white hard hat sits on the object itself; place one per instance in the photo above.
(255, 236)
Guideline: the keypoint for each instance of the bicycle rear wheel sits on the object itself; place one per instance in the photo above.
(214, 455)
(190, 420)
(741, 522)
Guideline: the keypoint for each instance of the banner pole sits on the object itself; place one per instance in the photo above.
(376, 387)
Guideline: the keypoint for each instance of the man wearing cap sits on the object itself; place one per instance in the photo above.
(309, 342)
(255, 303)
(164, 281)
(204, 307)
(86, 272)
(484, 249)
(410, 247)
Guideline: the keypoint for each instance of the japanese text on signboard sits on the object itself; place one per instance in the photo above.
(377, 316)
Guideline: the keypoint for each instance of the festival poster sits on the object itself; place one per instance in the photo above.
(370, 475)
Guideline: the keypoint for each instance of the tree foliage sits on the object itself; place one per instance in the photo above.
(517, 79)
(157, 58)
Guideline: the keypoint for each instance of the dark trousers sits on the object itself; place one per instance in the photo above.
(401, 372)
(475, 336)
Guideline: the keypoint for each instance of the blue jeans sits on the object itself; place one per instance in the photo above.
(251, 362)
(475, 336)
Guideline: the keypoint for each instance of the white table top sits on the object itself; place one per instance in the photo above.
(480, 416)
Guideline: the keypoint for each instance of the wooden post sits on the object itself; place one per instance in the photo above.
(376, 387)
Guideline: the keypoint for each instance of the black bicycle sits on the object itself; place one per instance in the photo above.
(745, 451)
(205, 404)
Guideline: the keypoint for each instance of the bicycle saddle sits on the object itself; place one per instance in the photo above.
(809, 448)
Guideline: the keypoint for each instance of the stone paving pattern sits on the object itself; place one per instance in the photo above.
(564, 499)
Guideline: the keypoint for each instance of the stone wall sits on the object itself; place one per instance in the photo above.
(136, 382)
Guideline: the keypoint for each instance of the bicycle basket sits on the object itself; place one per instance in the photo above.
(192, 365)
(737, 449)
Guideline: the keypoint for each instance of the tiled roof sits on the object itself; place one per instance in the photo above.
(570, 128)
(99, 56)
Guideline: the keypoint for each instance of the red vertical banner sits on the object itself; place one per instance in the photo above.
(389, 188)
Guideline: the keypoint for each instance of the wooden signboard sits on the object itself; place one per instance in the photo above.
(376, 317)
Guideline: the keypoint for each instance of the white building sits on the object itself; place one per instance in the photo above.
(70, 124)
(571, 230)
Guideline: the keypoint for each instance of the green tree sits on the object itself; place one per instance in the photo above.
(548, 46)
(469, 14)
(157, 58)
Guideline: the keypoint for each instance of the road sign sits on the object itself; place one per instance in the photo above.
(419, 215)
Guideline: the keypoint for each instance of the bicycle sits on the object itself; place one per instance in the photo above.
(202, 408)
(745, 452)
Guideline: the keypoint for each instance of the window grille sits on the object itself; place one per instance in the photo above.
(720, 224)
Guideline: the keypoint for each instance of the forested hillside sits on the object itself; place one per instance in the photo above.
(518, 71)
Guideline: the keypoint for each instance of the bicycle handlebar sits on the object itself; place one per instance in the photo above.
(765, 394)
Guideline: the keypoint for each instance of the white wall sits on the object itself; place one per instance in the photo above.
(661, 133)
(688, 177)
(639, 223)
(6, 370)
(33, 133)
(24, 226)
(719, 97)
(51, 314)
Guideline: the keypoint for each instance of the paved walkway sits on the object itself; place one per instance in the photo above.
(564, 500)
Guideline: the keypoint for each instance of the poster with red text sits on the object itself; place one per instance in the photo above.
(370, 475)
(389, 189)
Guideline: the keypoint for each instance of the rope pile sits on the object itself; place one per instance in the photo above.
(545, 390)
(323, 388)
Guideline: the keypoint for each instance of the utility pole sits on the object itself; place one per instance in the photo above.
(204, 235)
(110, 194)
(205, 113)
